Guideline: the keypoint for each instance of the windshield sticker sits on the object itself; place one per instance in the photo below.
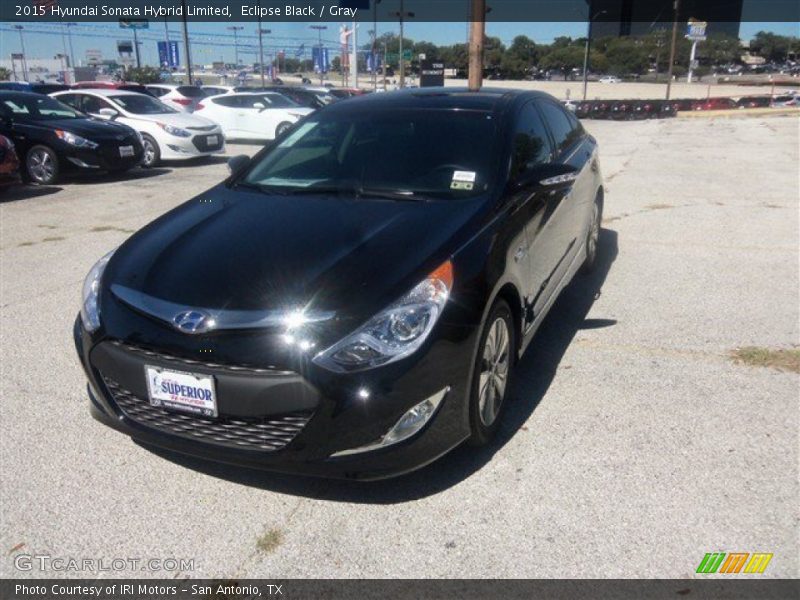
(468, 176)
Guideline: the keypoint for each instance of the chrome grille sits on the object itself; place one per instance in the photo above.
(262, 433)
(188, 362)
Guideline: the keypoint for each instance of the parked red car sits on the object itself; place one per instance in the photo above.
(716, 104)
(9, 163)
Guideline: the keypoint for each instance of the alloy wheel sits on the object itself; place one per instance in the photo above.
(494, 371)
(594, 234)
(149, 153)
(41, 166)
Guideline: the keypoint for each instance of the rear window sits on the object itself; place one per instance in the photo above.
(191, 91)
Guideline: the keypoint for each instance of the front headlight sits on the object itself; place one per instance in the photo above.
(75, 140)
(90, 312)
(176, 131)
(395, 332)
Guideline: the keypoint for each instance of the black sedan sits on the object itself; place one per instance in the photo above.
(352, 301)
(52, 138)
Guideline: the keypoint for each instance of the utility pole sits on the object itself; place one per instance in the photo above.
(402, 14)
(320, 29)
(24, 58)
(236, 29)
(136, 47)
(69, 38)
(676, 7)
(385, 48)
(186, 43)
(477, 32)
(586, 52)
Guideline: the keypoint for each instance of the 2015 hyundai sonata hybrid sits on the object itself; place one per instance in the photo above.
(352, 300)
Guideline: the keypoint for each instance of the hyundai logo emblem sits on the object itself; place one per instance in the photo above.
(193, 321)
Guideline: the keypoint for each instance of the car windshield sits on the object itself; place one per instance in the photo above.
(409, 153)
(38, 108)
(139, 104)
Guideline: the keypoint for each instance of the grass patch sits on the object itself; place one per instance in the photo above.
(782, 360)
(269, 541)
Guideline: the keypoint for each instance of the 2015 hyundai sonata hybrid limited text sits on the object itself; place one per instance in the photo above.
(352, 300)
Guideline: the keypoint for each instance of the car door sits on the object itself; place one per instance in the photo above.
(566, 201)
(224, 111)
(533, 250)
(92, 105)
(260, 116)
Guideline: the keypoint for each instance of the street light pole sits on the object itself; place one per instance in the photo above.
(24, 58)
(136, 47)
(586, 52)
(402, 14)
(235, 29)
(261, 50)
(320, 29)
(676, 5)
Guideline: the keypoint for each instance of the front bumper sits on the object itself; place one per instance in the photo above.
(283, 421)
(177, 148)
(105, 158)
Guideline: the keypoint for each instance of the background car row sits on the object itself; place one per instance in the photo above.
(649, 109)
(65, 131)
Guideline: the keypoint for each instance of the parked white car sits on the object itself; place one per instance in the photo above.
(259, 116)
(166, 133)
(184, 98)
(610, 79)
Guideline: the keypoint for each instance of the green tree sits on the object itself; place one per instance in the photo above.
(143, 75)
(773, 47)
(5, 74)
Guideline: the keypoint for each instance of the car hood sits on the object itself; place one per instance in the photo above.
(93, 129)
(183, 120)
(245, 251)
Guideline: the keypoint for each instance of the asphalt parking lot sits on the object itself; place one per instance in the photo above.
(633, 444)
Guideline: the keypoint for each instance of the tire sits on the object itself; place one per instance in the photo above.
(282, 128)
(41, 165)
(593, 237)
(152, 153)
(493, 370)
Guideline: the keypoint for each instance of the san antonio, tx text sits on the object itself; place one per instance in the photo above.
(122, 589)
(160, 12)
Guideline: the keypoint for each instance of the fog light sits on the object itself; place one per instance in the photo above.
(409, 424)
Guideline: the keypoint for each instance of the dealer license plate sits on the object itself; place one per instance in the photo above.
(177, 390)
(126, 151)
(212, 140)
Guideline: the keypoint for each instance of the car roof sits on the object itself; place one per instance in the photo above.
(105, 92)
(487, 99)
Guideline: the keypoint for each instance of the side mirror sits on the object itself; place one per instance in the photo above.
(237, 163)
(259, 106)
(550, 176)
(108, 113)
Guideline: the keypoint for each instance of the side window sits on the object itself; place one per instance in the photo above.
(566, 129)
(229, 101)
(158, 91)
(531, 145)
(93, 104)
(72, 100)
